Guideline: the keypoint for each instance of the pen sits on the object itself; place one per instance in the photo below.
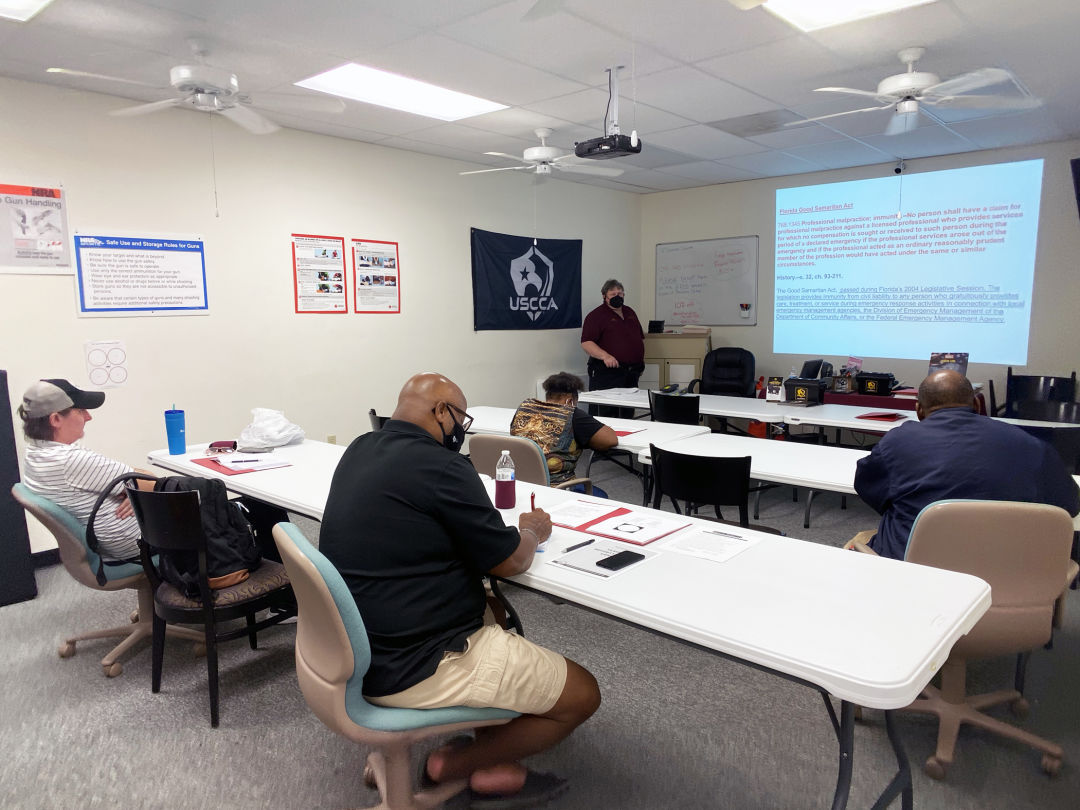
(725, 534)
(244, 461)
(576, 546)
(532, 501)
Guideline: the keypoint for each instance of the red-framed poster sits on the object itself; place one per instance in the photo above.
(376, 276)
(319, 274)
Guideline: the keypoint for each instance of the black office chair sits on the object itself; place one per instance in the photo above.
(377, 421)
(675, 408)
(727, 371)
(704, 481)
(1031, 388)
(171, 522)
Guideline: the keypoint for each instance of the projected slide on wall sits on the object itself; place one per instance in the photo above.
(908, 265)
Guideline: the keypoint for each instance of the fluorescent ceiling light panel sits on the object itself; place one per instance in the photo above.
(21, 10)
(810, 15)
(373, 86)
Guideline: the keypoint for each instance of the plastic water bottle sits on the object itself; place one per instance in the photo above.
(793, 373)
(505, 497)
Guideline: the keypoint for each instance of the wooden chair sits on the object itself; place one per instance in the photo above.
(81, 562)
(1022, 551)
(171, 522)
(704, 481)
(332, 657)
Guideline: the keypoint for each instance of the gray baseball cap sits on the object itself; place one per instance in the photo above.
(46, 397)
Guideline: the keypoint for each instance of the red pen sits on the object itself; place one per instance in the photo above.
(532, 501)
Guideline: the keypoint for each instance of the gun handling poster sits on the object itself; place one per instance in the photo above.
(33, 230)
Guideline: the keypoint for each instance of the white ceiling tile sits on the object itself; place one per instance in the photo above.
(991, 133)
(924, 142)
(698, 96)
(773, 164)
(705, 142)
(709, 171)
(847, 152)
(476, 72)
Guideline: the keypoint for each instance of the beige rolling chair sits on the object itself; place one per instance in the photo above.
(530, 465)
(81, 562)
(332, 656)
(1022, 551)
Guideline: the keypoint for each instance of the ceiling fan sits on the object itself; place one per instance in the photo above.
(212, 90)
(543, 158)
(906, 92)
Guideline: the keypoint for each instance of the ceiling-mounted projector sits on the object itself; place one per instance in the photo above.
(611, 144)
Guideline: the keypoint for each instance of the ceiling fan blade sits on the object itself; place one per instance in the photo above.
(503, 154)
(901, 123)
(250, 120)
(598, 171)
(965, 83)
(84, 75)
(286, 103)
(143, 109)
(851, 91)
(973, 102)
(541, 9)
(835, 115)
(505, 169)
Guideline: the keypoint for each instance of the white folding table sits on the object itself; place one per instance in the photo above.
(842, 623)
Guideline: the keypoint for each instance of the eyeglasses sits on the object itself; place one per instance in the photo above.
(217, 448)
(466, 420)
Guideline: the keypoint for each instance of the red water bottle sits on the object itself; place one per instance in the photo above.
(505, 497)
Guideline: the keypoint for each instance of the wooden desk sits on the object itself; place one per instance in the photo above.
(786, 607)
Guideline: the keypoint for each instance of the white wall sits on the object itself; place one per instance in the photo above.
(741, 209)
(153, 175)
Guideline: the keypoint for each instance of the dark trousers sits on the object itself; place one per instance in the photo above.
(602, 377)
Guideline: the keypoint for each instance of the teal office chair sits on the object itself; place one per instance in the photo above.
(82, 563)
(332, 656)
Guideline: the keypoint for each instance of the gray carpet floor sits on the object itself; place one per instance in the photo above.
(679, 727)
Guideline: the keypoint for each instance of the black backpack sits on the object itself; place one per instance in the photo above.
(231, 550)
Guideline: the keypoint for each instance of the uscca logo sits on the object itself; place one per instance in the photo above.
(89, 240)
(532, 269)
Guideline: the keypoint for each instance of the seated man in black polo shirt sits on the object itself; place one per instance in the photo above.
(410, 527)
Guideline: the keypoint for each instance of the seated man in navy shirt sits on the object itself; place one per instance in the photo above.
(411, 528)
(953, 452)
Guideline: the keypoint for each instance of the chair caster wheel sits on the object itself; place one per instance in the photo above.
(199, 649)
(67, 649)
(934, 768)
(1051, 764)
(1020, 708)
(134, 617)
(113, 669)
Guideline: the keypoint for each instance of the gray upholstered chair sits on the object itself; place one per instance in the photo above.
(530, 465)
(1022, 550)
(332, 656)
(81, 562)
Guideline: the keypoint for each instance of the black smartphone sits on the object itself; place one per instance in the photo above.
(620, 560)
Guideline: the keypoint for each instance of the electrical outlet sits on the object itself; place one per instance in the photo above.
(331, 439)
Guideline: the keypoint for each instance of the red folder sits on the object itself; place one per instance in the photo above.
(882, 416)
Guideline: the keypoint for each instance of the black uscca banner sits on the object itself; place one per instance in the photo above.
(521, 285)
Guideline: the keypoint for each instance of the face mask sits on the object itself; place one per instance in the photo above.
(616, 301)
(456, 438)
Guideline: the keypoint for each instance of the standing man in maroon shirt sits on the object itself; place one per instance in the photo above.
(613, 339)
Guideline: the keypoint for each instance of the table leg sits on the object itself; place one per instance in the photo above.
(845, 736)
(901, 783)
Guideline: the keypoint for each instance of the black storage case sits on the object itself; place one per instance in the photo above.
(800, 391)
(875, 383)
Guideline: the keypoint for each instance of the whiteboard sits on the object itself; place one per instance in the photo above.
(710, 281)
